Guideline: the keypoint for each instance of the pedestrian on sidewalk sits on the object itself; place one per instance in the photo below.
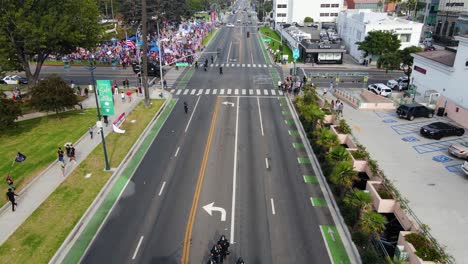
(60, 155)
(139, 91)
(340, 109)
(11, 197)
(106, 120)
(164, 84)
(62, 167)
(86, 92)
(90, 130)
(129, 95)
(325, 90)
(122, 95)
(72, 154)
(67, 149)
(9, 181)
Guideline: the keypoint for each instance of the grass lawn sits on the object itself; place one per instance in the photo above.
(39, 139)
(208, 37)
(275, 42)
(44, 231)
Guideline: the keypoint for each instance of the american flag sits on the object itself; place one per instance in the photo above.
(130, 44)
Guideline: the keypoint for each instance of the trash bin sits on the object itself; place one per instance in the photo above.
(440, 111)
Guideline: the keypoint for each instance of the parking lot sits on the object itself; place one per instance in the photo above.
(421, 169)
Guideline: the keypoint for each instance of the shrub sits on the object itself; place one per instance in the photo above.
(360, 238)
(343, 127)
(424, 248)
(308, 20)
(326, 111)
(374, 167)
(370, 256)
(349, 214)
(360, 154)
(384, 193)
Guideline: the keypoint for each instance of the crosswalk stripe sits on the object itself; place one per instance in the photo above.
(250, 91)
(172, 91)
(211, 65)
(236, 91)
(264, 65)
(207, 91)
(265, 91)
(222, 91)
(222, 64)
(271, 66)
(193, 91)
(243, 65)
(186, 91)
(229, 91)
(253, 65)
(179, 91)
(217, 64)
(200, 91)
(232, 65)
(273, 92)
(280, 92)
(258, 92)
(215, 91)
(244, 91)
(238, 65)
(248, 65)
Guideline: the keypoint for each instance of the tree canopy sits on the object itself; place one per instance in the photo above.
(52, 94)
(379, 42)
(407, 60)
(32, 29)
(9, 112)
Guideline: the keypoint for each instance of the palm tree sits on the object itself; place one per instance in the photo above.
(343, 176)
(311, 113)
(372, 222)
(359, 199)
(337, 154)
(325, 138)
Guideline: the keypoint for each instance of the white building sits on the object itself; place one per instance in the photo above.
(289, 11)
(354, 25)
(445, 73)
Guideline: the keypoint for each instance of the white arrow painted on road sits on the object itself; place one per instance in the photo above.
(331, 232)
(209, 208)
(228, 103)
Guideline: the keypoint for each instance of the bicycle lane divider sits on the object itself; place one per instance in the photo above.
(81, 244)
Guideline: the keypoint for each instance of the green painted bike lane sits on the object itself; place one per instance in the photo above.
(334, 245)
(275, 77)
(79, 247)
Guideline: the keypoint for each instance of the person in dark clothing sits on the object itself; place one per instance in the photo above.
(67, 149)
(216, 254)
(86, 91)
(220, 70)
(106, 120)
(164, 84)
(240, 261)
(72, 154)
(60, 155)
(211, 59)
(224, 244)
(11, 197)
(185, 107)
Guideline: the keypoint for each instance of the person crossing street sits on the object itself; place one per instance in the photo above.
(185, 107)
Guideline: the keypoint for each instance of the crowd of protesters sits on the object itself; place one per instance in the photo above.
(179, 43)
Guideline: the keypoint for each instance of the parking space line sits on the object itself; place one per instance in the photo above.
(413, 127)
(437, 146)
(456, 168)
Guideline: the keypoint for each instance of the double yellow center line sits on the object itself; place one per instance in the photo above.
(196, 196)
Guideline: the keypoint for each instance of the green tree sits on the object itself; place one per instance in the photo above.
(35, 29)
(407, 60)
(372, 222)
(337, 154)
(195, 5)
(325, 138)
(389, 61)
(9, 112)
(360, 200)
(379, 42)
(342, 176)
(308, 20)
(52, 94)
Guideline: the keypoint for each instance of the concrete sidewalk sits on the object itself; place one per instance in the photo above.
(37, 191)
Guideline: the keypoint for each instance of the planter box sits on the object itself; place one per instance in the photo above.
(344, 138)
(409, 248)
(372, 176)
(329, 119)
(404, 218)
(379, 204)
(358, 165)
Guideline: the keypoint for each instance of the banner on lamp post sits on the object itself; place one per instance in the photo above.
(105, 97)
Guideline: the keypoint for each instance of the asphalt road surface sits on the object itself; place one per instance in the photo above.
(231, 150)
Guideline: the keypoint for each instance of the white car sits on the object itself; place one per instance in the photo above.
(399, 84)
(15, 79)
(380, 89)
(229, 25)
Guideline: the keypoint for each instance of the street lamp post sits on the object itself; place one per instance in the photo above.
(160, 57)
(91, 68)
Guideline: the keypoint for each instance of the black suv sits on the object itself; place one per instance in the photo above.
(410, 111)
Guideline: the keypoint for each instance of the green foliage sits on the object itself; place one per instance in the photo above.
(407, 60)
(343, 127)
(308, 20)
(370, 256)
(9, 112)
(337, 154)
(38, 28)
(343, 176)
(52, 94)
(372, 222)
(359, 199)
(389, 61)
(424, 248)
(325, 138)
(349, 214)
(373, 165)
(195, 5)
(359, 238)
(379, 42)
(384, 193)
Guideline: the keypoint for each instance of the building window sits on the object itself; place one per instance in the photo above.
(281, 15)
(324, 5)
(335, 5)
(444, 29)
(452, 29)
(334, 14)
(281, 6)
(324, 14)
(405, 38)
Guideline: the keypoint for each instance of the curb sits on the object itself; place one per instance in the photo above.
(349, 246)
(74, 234)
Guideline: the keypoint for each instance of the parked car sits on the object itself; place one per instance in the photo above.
(459, 150)
(411, 111)
(438, 130)
(2, 81)
(380, 89)
(15, 79)
(465, 167)
(229, 25)
(399, 84)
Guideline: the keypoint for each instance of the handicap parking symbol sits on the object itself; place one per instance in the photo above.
(441, 158)
(410, 139)
(389, 120)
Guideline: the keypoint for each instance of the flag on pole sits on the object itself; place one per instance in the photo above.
(130, 44)
(20, 157)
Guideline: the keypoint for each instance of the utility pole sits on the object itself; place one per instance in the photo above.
(144, 69)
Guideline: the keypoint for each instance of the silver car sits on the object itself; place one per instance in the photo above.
(465, 167)
(459, 150)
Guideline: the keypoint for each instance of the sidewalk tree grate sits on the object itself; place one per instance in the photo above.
(310, 179)
(318, 202)
(293, 133)
(303, 160)
(298, 145)
(289, 122)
